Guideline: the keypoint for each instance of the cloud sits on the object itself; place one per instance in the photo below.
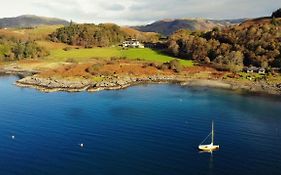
(131, 12)
(114, 7)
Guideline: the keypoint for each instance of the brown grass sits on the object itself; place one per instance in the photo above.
(49, 45)
(72, 70)
(198, 69)
(10, 33)
(258, 21)
(119, 67)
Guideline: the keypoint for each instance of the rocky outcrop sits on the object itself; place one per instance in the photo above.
(76, 85)
(51, 84)
(16, 71)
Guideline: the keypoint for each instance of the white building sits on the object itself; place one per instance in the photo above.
(133, 43)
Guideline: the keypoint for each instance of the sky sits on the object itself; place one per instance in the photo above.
(138, 12)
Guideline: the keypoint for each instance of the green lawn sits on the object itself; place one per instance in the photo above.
(84, 54)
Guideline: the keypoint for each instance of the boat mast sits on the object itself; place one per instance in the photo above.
(213, 133)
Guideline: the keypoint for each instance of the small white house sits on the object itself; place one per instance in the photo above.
(133, 43)
(259, 70)
(250, 69)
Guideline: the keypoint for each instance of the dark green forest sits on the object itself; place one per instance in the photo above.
(89, 35)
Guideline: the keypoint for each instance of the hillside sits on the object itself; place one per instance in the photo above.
(254, 42)
(29, 21)
(257, 21)
(141, 36)
(167, 27)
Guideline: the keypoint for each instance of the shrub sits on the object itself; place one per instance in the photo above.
(71, 60)
(114, 58)
(172, 65)
(67, 48)
(175, 65)
(145, 65)
(94, 69)
(165, 66)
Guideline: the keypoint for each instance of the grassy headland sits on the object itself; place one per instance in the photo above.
(82, 54)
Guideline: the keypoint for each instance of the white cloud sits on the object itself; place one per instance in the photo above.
(133, 12)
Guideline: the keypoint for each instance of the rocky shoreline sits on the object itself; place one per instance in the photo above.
(254, 87)
(30, 79)
(114, 83)
(19, 72)
(78, 85)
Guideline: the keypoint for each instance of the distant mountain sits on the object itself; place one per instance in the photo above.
(30, 21)
(169, 26)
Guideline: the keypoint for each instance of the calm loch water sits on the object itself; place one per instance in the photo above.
(148, 129)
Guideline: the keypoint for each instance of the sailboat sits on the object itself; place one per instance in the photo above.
(210, 147)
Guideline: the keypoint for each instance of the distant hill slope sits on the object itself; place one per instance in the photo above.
(30, 21)
(167, 27)
(141, 36)
(258, 21)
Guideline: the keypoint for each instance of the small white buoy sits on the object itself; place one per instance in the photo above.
(81, 145)
(13, 137)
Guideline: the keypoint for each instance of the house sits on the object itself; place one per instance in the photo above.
(259, 70)
(250, 69)
(132, 43)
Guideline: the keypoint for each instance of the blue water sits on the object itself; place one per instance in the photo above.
(147, 129)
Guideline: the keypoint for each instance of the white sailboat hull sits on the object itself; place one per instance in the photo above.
(209, 147)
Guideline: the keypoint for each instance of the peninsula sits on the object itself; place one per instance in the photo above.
(88, 57)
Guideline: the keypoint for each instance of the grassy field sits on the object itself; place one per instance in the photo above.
(57, 54)
(85, 54)
(38, 33)
(52, 45)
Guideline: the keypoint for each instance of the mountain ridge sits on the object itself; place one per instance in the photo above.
(168, 26)
(29, 20)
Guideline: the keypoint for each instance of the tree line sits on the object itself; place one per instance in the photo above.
(89, 35)
(14, 49)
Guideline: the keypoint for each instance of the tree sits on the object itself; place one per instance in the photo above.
(174, 47)
(18, 50)
(276, 14)
(264, 64)
(233, 61)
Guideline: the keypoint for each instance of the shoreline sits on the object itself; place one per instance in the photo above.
(30, 79)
